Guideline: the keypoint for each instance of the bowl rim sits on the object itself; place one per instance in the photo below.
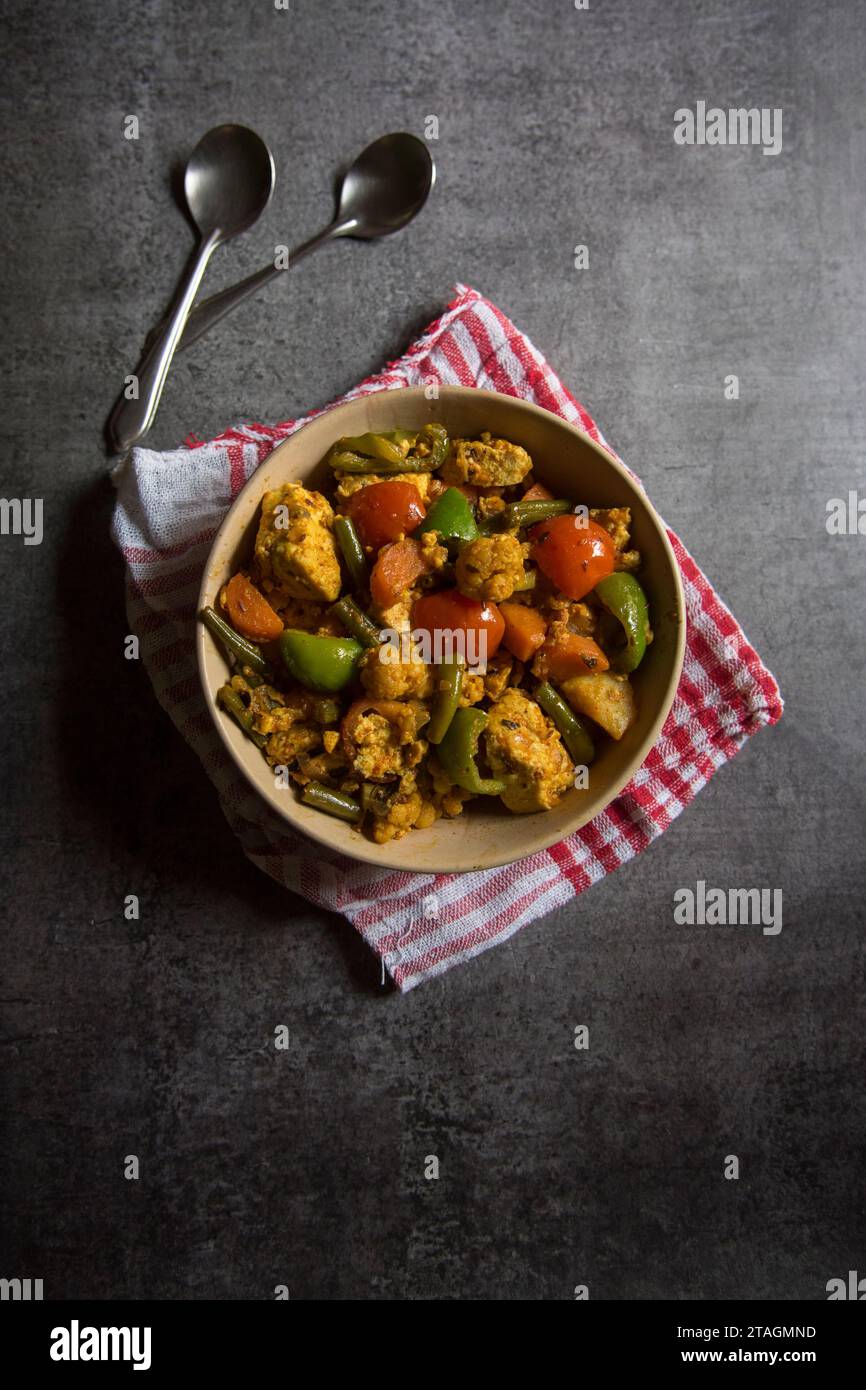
(368, 852)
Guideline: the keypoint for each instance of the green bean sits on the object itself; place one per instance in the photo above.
(333, 802)
(352, 552)
(355, 621)
(449, 677)
(231, 702)
(520, 514)
(247, 653)
(575, 734)
(527, 582)
(326, 710)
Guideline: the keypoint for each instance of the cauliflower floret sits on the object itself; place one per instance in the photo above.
(616, 521)
(572, 615)
(471, 689)
(350, 483)
(486, 462)
(627, 560)
(407, 810)
(502, 670)
(285, 747)
(448, 799)
(382, 746)
(385, 676)
(275, 716)
(525, 749)
(295, 545)
(491, 504)
(489, 568)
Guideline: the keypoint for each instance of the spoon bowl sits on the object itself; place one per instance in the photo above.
(387, 186)
(228, 181)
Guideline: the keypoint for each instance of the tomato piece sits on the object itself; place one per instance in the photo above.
(573, 553)
(451, 611)
(382, 512)
(249, 611)
(398, 566)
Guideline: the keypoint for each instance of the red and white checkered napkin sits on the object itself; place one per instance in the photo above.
(169, 507)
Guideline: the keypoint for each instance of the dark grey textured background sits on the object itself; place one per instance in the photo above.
(155, 1038)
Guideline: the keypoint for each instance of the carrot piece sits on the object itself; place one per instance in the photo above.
(249, 611)
(569, 654)
(537, 493)
(524, 630)
(399, 565)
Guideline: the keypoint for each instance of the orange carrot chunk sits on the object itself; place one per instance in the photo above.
(398, 566)
(249, 611)
(569, 654)
(524, 630)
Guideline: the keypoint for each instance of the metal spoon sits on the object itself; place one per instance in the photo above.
(228, 184)
(384, 189)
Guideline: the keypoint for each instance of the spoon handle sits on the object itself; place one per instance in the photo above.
(133, 417)
(211, 310)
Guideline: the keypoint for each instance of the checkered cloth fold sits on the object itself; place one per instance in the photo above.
(169, 506)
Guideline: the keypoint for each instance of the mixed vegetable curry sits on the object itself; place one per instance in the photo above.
(440, 628)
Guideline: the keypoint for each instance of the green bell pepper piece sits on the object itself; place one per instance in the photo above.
(458, 750)
(372, 446)
(435, 437)
(450, 517)
(322, 664)
(625, 600)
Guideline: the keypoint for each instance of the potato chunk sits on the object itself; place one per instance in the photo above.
(605, 697)
(295, 545)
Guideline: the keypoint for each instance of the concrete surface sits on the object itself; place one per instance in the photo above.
(155, 1038)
